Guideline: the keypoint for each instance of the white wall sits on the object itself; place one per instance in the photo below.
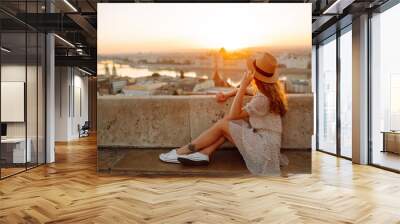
(69, 85)
(62, 81)
(11, 73)
(14, 73)
(33, 126)
(79, 117)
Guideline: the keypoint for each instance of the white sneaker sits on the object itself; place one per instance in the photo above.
(169, 157)
(194, 159)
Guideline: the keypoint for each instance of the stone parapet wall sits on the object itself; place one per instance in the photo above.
(172, 121)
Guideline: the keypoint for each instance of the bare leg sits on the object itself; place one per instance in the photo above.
(210, 136)
(211, 148)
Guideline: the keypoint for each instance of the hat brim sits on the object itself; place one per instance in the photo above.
(261, 77)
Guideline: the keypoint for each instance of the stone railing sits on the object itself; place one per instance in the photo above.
(171, 121)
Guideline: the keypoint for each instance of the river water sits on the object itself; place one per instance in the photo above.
(232, 77)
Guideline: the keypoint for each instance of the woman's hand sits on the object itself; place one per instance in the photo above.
(221, 97)
(247, 78)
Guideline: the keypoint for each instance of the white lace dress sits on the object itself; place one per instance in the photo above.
(259, 139)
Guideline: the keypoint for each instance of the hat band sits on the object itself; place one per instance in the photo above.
(269, 75)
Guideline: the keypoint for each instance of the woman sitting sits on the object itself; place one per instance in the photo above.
(255, 129)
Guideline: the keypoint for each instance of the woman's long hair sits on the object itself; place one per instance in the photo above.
(276, 95)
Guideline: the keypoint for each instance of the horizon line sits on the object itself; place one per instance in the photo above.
(191, 50)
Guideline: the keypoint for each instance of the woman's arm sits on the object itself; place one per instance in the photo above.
(234, 92)
(231, 93)
(222, 97)
(236, 111)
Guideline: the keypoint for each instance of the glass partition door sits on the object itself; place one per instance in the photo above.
(326, 96)
(15, 150)
(385, 89)
(22, 77)
(334, 94)
(346, 93)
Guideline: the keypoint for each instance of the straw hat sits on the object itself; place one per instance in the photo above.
(265, 68)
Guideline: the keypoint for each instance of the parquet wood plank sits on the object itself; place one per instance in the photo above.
(71, 191)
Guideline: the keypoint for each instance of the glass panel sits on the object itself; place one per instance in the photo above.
(327, 97)
(13, 6)
(13, 86)
(31, 100)
(23, 90)
(346, 94)
(41, 98)
(32, 88)
(385, 86)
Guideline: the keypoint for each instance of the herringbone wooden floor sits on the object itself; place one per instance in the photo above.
(70, 191)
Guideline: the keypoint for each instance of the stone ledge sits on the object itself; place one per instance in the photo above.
(224, 163)
(172, 121)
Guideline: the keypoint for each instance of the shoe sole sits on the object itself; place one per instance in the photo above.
(169, 161)
(190, 162)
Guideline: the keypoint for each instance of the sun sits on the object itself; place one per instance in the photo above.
(233, 45)
(230, 42)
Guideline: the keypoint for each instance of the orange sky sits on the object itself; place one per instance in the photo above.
(152, 27)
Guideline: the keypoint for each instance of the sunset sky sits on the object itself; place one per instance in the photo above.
(152, 27)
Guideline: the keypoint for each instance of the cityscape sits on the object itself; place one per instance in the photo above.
(194, 73)
(197, 50)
